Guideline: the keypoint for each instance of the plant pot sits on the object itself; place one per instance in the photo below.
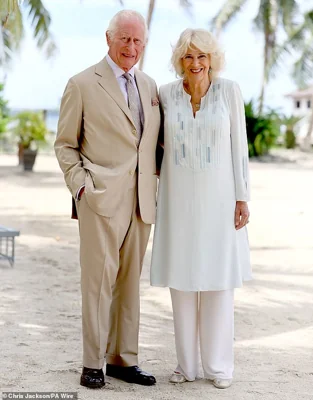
(20, 154)
(29, 157)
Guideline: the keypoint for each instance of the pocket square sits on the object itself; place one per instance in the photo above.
(155, 102)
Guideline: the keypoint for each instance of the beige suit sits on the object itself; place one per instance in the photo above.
(96, 147)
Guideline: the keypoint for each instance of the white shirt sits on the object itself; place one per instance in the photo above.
(119, 72)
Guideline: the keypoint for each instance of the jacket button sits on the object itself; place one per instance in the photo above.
(134, 132)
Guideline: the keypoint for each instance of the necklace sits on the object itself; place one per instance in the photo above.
(196, 105)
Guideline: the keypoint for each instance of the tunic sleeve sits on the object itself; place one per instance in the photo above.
(239, 144)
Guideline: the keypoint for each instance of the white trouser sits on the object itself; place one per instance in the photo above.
(208, 318)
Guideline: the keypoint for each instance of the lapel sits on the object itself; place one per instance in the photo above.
(108, 82)
(143, 90)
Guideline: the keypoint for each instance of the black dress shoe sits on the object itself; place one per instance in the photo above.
(92, 378)
(130, 374)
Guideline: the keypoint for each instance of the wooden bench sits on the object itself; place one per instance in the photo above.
(7, 243)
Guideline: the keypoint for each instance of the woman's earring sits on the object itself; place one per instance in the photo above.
(210, 70)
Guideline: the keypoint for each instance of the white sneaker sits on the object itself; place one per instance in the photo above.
(222, 383)
(177, 378)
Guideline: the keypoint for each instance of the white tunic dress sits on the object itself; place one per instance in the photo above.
(204, 172)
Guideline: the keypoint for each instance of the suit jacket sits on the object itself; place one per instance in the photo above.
(96, 141)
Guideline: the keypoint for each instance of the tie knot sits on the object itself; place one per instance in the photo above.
(127, 76)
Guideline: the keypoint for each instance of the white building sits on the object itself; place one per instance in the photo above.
(302, 107)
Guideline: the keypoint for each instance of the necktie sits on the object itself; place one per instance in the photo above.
(133, 103)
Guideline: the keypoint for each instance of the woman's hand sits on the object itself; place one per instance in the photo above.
(241, 214)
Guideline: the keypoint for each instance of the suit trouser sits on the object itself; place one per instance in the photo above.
(111, 257)
(207, 317)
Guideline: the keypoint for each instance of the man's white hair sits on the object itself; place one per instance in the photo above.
(126, 15)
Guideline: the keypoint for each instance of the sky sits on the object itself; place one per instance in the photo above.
(79, 29)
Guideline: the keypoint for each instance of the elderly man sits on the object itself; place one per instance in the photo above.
(106, 142)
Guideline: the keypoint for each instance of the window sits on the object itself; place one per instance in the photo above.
(298, 104)
(309, 103)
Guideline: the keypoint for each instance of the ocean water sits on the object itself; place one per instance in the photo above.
(52, 118)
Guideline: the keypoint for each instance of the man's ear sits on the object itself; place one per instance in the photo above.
(108, 38)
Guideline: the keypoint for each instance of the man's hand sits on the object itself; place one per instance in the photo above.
(241, 214)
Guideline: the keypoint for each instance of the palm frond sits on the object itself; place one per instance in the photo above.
(277, 58)
(308, 21)
(12, 35)
(7, 48)
(303, 68)
(288, 10)
(309, 15)
(296, 38)
(266, 20)
(40, 22)
(187, 5)
(226, 14)
(15, 27)
(7, 7)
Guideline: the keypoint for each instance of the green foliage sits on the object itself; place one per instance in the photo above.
(30, 129)
(13, 16)
(274, 19)
(262, 130)
(4, 111)
(289, 123)
(290, 139)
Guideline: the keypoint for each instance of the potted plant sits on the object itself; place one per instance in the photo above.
(31, 130)
(289, 123)
(4, 112)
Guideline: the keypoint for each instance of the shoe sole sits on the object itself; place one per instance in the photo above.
(220, 386)
(92, 386)
(130, 381)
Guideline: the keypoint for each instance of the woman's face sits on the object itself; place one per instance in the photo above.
(195, 65)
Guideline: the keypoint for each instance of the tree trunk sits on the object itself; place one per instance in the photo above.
(264, 80)
(2, 53)
(307, 140)
(149, 19)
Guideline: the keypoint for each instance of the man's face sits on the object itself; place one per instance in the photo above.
(128, 43)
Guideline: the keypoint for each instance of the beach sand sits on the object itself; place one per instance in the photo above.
(40, 321)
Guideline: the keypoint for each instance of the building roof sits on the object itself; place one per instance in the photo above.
(302, 94)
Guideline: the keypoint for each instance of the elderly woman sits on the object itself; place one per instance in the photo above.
(201, 249)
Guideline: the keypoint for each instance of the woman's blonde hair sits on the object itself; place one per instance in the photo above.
(204, 41)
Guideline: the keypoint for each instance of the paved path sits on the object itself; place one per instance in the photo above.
(40, 343)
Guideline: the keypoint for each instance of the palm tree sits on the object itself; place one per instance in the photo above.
(303, 69)
(186, 4)
(272, 15)
(12, 27)
(300, 41)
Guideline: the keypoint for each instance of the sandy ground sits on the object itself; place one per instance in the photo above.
(40, 327)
